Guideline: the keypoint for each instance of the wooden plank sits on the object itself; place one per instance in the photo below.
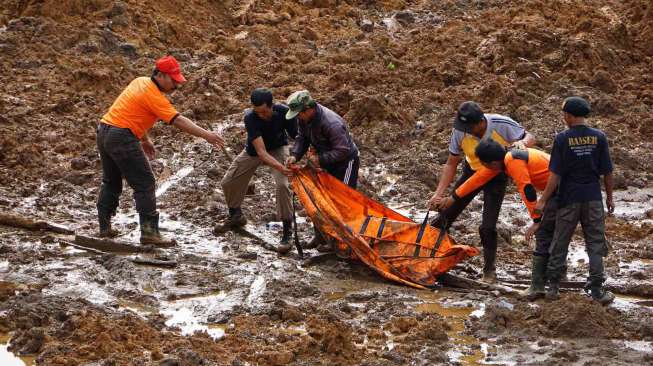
(15, 220)
(563, 284)
(136, 260)
(111, 246)
(452, 280)
(154, 262)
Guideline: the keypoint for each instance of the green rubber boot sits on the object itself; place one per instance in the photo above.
(538, 278)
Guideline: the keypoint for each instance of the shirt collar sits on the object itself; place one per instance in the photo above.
(317, 117)
(156, 83)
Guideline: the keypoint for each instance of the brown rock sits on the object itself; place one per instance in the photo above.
(310, 34)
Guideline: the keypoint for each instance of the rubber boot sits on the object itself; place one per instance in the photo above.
(489, 242)
(553, 293)
(285, 245)
(538, 278)
(318, 239)
(563, 275)
(150, 231)
(106, 231)
(601, 296)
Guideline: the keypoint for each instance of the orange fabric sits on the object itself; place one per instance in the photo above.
(139, 106)
(535, 172)
(476, 181)
(340, 213)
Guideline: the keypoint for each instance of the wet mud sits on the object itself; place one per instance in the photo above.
(395, 70)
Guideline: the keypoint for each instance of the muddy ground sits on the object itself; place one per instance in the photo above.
(385, 66)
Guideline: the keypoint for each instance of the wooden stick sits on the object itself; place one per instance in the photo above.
(136, 260)
(154, 262)
(111, 246)
(15, 220)
(319, 258)
(248, 234)
(563, 284)
(81, 247)
(452, 280)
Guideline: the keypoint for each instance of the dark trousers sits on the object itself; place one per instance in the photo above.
(544, 235)
(121, 155)
(493, 193)
(592, 220)
(346, 171)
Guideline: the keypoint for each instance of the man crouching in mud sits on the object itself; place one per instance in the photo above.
(470, 127)
(267, 143)
(331, 146)
(529, 169)
(125, 147)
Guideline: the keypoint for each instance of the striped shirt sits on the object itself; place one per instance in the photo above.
(501, 129)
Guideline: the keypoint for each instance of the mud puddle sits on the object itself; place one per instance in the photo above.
(466, 349)
(8, 358)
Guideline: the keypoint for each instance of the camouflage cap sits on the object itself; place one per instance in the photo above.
(297, 102)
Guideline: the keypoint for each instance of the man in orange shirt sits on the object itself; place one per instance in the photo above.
(125, 147)
(529, 169)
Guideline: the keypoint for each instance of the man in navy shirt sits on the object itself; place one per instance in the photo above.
(580, 156)
(267, 143)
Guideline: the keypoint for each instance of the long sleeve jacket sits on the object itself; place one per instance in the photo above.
(327, 132)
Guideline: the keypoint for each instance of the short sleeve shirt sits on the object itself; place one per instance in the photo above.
(580, 155)
(501, 129)
(274, 132)
(139, 106)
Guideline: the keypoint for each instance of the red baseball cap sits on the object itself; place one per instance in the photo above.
(170, 66)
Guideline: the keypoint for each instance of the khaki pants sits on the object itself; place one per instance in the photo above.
(235, 181)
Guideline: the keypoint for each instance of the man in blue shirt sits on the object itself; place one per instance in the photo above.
(267, 143)
(580, 156)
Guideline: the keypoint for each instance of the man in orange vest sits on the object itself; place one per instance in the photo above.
(125, 147)
(470, 127)
(529, 169)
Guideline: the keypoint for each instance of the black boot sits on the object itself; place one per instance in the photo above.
(553, 293)
(489, 242)
(236, 219)
(150, 231)
(602, 296)
(285, 245)
(104, 219)
(317, 240)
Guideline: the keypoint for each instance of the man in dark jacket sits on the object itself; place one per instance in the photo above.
(326, 138)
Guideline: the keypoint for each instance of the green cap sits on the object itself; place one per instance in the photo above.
(298, 102)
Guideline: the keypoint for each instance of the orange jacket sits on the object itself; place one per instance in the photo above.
(528, 168)
(139, 106)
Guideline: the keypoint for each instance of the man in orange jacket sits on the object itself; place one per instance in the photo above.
(529, 169)
(125, 147)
